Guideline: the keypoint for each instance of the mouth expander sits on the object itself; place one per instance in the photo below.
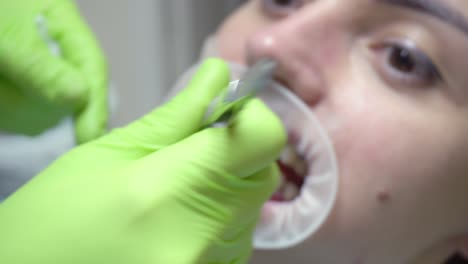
(284, 223)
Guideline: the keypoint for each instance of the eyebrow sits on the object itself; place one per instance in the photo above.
(434, 8)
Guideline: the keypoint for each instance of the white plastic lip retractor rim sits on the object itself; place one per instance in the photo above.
(322, 185)
(311, 208)
(317, 204)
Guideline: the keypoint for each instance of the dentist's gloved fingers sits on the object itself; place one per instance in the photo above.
(30, 66)
(253, 139)
(91, 122)
(77, 42)
(79, 47)
(180, 117)
(235, 244)
(251, 143)
(19, 114)
(225, 174)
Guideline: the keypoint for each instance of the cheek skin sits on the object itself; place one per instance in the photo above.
(384, 197)
(398, 153)
(360, 130)
(400, 172)
(366, 129)
(362, 147)
(377, 144)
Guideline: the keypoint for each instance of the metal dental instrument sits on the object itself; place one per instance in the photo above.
(254, 80)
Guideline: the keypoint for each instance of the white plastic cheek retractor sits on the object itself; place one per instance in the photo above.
(284, 224)
(288, 223)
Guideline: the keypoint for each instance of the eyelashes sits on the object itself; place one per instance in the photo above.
(281, 8)
(406, 65)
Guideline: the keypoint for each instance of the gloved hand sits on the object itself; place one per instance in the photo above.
(50, 67)
(158, 191)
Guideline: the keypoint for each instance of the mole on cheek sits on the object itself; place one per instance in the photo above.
(383, 197)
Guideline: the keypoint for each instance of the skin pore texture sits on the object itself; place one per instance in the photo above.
(388, 82)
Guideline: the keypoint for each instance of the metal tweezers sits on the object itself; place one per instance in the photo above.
(224, 107)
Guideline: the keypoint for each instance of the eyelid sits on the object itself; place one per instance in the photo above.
(410, 45)
(425, 66)
(274, 10)
(419, 54)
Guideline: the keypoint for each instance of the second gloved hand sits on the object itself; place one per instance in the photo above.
(157, 191)
(50, 67)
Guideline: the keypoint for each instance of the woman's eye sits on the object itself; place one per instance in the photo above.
(408, 65)
(281, 8)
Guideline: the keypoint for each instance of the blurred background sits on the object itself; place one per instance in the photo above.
(148, 43)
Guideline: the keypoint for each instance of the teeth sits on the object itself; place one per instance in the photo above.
(290, 191)
(290, 157)
(281, 182)
(300, 167)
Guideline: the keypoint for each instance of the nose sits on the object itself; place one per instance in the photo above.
(301, 45)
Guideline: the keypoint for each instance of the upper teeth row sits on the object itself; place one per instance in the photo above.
(291, 158)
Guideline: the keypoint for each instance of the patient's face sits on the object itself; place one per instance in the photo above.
(389, 81)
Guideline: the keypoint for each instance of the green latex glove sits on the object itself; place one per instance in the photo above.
(158, 191)
(39, 88)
